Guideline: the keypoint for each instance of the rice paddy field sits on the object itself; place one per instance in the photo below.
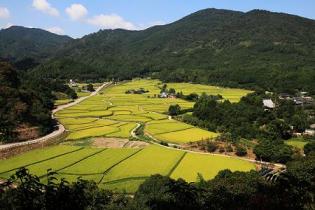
(114, 114)
(122, 169)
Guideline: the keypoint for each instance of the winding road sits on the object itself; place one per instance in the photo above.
(61, 129)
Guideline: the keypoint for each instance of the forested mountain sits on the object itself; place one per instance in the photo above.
(274, 51)
(19, 43)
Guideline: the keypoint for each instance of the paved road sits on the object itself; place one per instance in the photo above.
(61, 128)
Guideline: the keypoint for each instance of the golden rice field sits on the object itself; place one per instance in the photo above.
(113, 113)
(120, 169)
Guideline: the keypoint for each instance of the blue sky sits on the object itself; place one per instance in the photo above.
(80, 17)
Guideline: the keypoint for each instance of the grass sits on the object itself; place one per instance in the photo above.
(297, 142)
(208, 166)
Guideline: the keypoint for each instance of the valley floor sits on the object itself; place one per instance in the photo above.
(114, 114)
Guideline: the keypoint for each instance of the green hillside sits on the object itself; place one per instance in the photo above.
(258, 48)
(18, 43)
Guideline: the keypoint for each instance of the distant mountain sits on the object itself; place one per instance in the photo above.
(257, 48)
(18, 43)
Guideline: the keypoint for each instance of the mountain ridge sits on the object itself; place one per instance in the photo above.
(18, 43)
(256, 48)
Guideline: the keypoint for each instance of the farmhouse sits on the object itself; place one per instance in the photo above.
(163, 95)
(72, 83)
(284, 96)
(309, 132)
(268, 103)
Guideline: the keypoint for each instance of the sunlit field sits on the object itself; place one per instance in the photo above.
(116, 113)
(120, 169)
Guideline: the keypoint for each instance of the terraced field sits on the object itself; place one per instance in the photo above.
(120, 169)
(113, 113)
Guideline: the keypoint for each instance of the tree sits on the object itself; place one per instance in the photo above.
(171, 91)
(299, 122)
(164, 193)
(273, 150)
(309, 148)
(174, 110)
(90, 88)
(211, 147)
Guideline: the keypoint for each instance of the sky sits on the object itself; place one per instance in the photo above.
(77, 18)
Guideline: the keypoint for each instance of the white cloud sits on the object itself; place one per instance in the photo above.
(56, 30)
(4, 12)
(44, 6)
(76, 11)
(111, 21)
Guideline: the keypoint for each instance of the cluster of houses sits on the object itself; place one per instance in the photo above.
(166, 95)
(303, 99)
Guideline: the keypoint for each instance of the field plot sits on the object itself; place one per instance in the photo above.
(120, 169)
(208, 166)
(99, 163)
(297, 142)
(33, 157)
(113, 113)
(188, 135)
(231, 94)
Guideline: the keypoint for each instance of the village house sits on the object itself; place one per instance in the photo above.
(309, 132)
(72, 83)
(163, 95)
(269, 104)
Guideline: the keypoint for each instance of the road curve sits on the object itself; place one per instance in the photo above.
(61, 128)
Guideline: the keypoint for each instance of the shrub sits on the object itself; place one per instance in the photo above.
(221, 149)
(241, 151)
(211, 147)
(174, 110)
(164, 143)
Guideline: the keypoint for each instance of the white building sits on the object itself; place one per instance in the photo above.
(309, 132)
(268, 103)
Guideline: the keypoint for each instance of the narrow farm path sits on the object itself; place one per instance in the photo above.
(61, 129)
